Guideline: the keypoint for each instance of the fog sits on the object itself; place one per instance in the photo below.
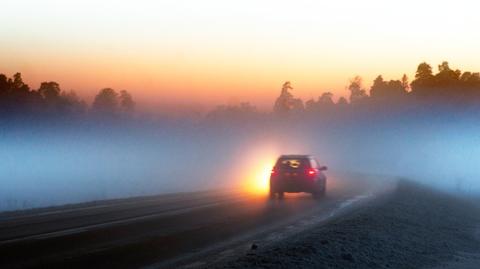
(53, 164)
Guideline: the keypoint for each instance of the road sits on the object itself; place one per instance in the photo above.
(164, 231)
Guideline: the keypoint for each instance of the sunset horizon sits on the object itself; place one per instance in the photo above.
(165, 59)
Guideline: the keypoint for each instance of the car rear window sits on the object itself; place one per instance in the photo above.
(292, 163)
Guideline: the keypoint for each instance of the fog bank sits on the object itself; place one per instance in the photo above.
(58, 164)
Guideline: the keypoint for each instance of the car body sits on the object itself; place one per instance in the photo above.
(297, 173)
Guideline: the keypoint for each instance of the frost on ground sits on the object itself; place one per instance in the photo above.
(411, 228)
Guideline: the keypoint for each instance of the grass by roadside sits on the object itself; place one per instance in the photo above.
(414, 227)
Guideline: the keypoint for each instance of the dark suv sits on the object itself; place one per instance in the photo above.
(297, 173)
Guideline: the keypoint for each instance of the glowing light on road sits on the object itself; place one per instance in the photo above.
(260, 181)
(257, 182)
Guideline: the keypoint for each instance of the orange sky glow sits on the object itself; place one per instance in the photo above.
(215, 52)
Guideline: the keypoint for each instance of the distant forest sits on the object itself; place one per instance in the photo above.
(18, 99)
(447, 87)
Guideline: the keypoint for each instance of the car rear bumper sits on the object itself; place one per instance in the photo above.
(293, 185)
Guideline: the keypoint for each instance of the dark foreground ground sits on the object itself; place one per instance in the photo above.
(364, 222)
(411, 227)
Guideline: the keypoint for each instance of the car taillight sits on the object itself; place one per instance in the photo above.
(273, 172)
(311, 172)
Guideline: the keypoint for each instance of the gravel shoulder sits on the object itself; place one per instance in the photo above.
(411, 227)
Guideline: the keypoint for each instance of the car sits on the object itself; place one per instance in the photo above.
(298, 173)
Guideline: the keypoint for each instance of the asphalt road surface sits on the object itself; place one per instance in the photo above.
(165, 231)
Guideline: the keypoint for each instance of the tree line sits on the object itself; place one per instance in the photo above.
(18, 99)
(446, 87)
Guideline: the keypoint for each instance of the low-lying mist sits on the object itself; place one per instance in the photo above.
(55, 164)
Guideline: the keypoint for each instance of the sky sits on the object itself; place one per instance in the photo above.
(192, 52)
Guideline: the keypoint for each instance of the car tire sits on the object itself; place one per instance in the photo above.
(317, 194)
(272, 195)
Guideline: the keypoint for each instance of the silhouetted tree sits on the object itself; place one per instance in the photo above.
(447, 81)
(4, 86)
(471, 84)
(424, 80)
(470, 81)
(342, 101)
(50, 93)
(16, 97)
(447, 86)
(324, 102)
(106, 102)
(4, 89)
(405, 83)
(283, 103)
(378, 87)
(127, 104)
(49, 90)
(71, 104)
(4, 95)
(357, 93)
(286, 102)
(297, 105)
(424, 71)
(382, 91)
(326, 99)
(18, 84)
(310, 105)
(447, 74)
